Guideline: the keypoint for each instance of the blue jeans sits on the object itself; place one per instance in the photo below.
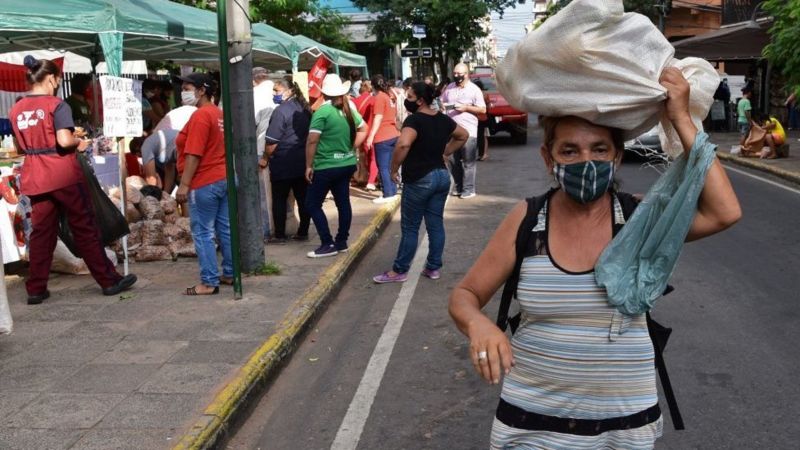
(423, 198)
(208, 210)
(337, 181)
(383, 156)
(464, 166)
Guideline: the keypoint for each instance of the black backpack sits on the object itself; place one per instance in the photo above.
(530, 242)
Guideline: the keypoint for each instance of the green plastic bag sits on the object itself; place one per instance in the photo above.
(635, 267)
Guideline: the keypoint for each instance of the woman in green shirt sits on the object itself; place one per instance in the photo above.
(336, 129)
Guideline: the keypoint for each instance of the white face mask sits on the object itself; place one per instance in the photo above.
(188, 98)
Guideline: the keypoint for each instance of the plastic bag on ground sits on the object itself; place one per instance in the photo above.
(6, 322)
(65, 262)
(636, 265)
(594, 61)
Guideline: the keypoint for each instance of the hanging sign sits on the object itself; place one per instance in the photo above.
(316, 75)
(122, 106)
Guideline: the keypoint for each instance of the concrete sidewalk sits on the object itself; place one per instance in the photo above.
(158, 369)
(786, 168)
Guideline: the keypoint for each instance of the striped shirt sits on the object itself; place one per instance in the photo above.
(576, 357)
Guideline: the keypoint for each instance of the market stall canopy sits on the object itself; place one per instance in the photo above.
(310, 50)
(741, 41)
(114, 30)
(74, 63)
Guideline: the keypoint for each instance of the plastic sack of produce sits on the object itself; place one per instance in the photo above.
(6, 323)
(592, 60)
(636, 265)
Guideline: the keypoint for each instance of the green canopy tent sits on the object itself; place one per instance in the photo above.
(113, 30)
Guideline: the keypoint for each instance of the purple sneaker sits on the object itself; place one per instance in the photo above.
(323, 251)
(386, 278)
(433, 274)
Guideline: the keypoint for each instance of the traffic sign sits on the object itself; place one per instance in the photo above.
(418, 31)
(426, 52)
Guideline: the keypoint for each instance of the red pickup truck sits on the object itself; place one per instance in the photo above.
(502, 116)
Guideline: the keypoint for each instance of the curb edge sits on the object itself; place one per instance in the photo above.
(752, 164)
(217, 415)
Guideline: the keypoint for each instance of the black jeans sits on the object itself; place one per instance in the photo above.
(280, 194)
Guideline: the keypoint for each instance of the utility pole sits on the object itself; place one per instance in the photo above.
(236, 65)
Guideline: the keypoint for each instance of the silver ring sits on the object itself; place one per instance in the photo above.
(482, 355)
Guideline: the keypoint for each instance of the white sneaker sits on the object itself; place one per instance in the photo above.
(371, 187)
(466, 196)
(381, 200)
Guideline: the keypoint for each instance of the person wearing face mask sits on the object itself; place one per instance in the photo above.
(426, 139)
(578, 372)
(201, 164)
(286, 158)
(264, 104)
(52, 178)
(463, 101)
(151, 90)
(382, 135)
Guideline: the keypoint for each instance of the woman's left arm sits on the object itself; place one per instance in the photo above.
(407, 137)
(717, 208)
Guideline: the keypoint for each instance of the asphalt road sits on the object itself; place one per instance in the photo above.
(732, 356)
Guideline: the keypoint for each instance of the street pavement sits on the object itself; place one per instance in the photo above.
(385, 367)
(141, 370)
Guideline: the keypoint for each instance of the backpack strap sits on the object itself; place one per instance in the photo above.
(524, 235)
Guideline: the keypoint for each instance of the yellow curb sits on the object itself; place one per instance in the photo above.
(217, 415)
(758, 165)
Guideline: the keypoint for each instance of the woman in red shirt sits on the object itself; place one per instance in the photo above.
(364, 104)
(383, 135)
(53, 181)
(201, 163)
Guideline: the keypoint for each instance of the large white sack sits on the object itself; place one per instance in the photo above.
(594, 61)
(6, 323)
(65, 262)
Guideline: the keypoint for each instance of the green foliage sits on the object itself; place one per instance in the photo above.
(306, 17)
(268, 268)
(784, 49)
(452, 25)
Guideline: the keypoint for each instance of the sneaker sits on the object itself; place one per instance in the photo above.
(455, 194)
(341, 248)
(386, 278)
(123, 284)
(322, 251)
(300, 237)
(371, 187)
(433, 274)
(381, 200)
(277, 240)
(466, 196)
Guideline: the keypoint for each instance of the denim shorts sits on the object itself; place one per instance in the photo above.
(744, 128)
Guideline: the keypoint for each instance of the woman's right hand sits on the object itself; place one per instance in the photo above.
(83, 144)
(490, 350)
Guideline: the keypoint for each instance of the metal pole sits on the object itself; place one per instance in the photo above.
(419, 59)
(233, 205)
(662, 10)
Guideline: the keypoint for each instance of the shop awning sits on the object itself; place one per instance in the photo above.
(744, 41)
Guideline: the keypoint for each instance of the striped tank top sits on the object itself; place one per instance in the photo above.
(576, 357)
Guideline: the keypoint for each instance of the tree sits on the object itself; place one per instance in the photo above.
(306, 17)
(452, 25)
(784, 48)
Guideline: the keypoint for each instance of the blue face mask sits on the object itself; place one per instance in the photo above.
(277, 99)
(585, 181)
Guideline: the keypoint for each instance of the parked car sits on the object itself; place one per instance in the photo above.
(502, 116)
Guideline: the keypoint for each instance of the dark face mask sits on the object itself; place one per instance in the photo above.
(585, 181)
(411, 106)
(458, 79)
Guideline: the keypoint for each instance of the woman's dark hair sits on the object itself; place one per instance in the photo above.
(549, 125)
(39, 69)
(379, 84)
(423, 91)
(349, 115)
(294, 88)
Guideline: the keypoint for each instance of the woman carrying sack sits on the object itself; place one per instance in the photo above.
(52, 178)
(336, 130)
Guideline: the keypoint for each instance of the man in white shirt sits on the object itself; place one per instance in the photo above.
(264, 105)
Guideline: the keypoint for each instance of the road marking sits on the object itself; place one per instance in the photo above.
(765, 180)
(353, 423)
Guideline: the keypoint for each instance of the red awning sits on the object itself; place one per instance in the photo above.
(12, 76)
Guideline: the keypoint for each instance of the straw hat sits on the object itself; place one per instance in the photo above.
(332, 86)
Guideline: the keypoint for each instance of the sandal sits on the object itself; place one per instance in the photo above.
(226, 281)
(193, 291)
